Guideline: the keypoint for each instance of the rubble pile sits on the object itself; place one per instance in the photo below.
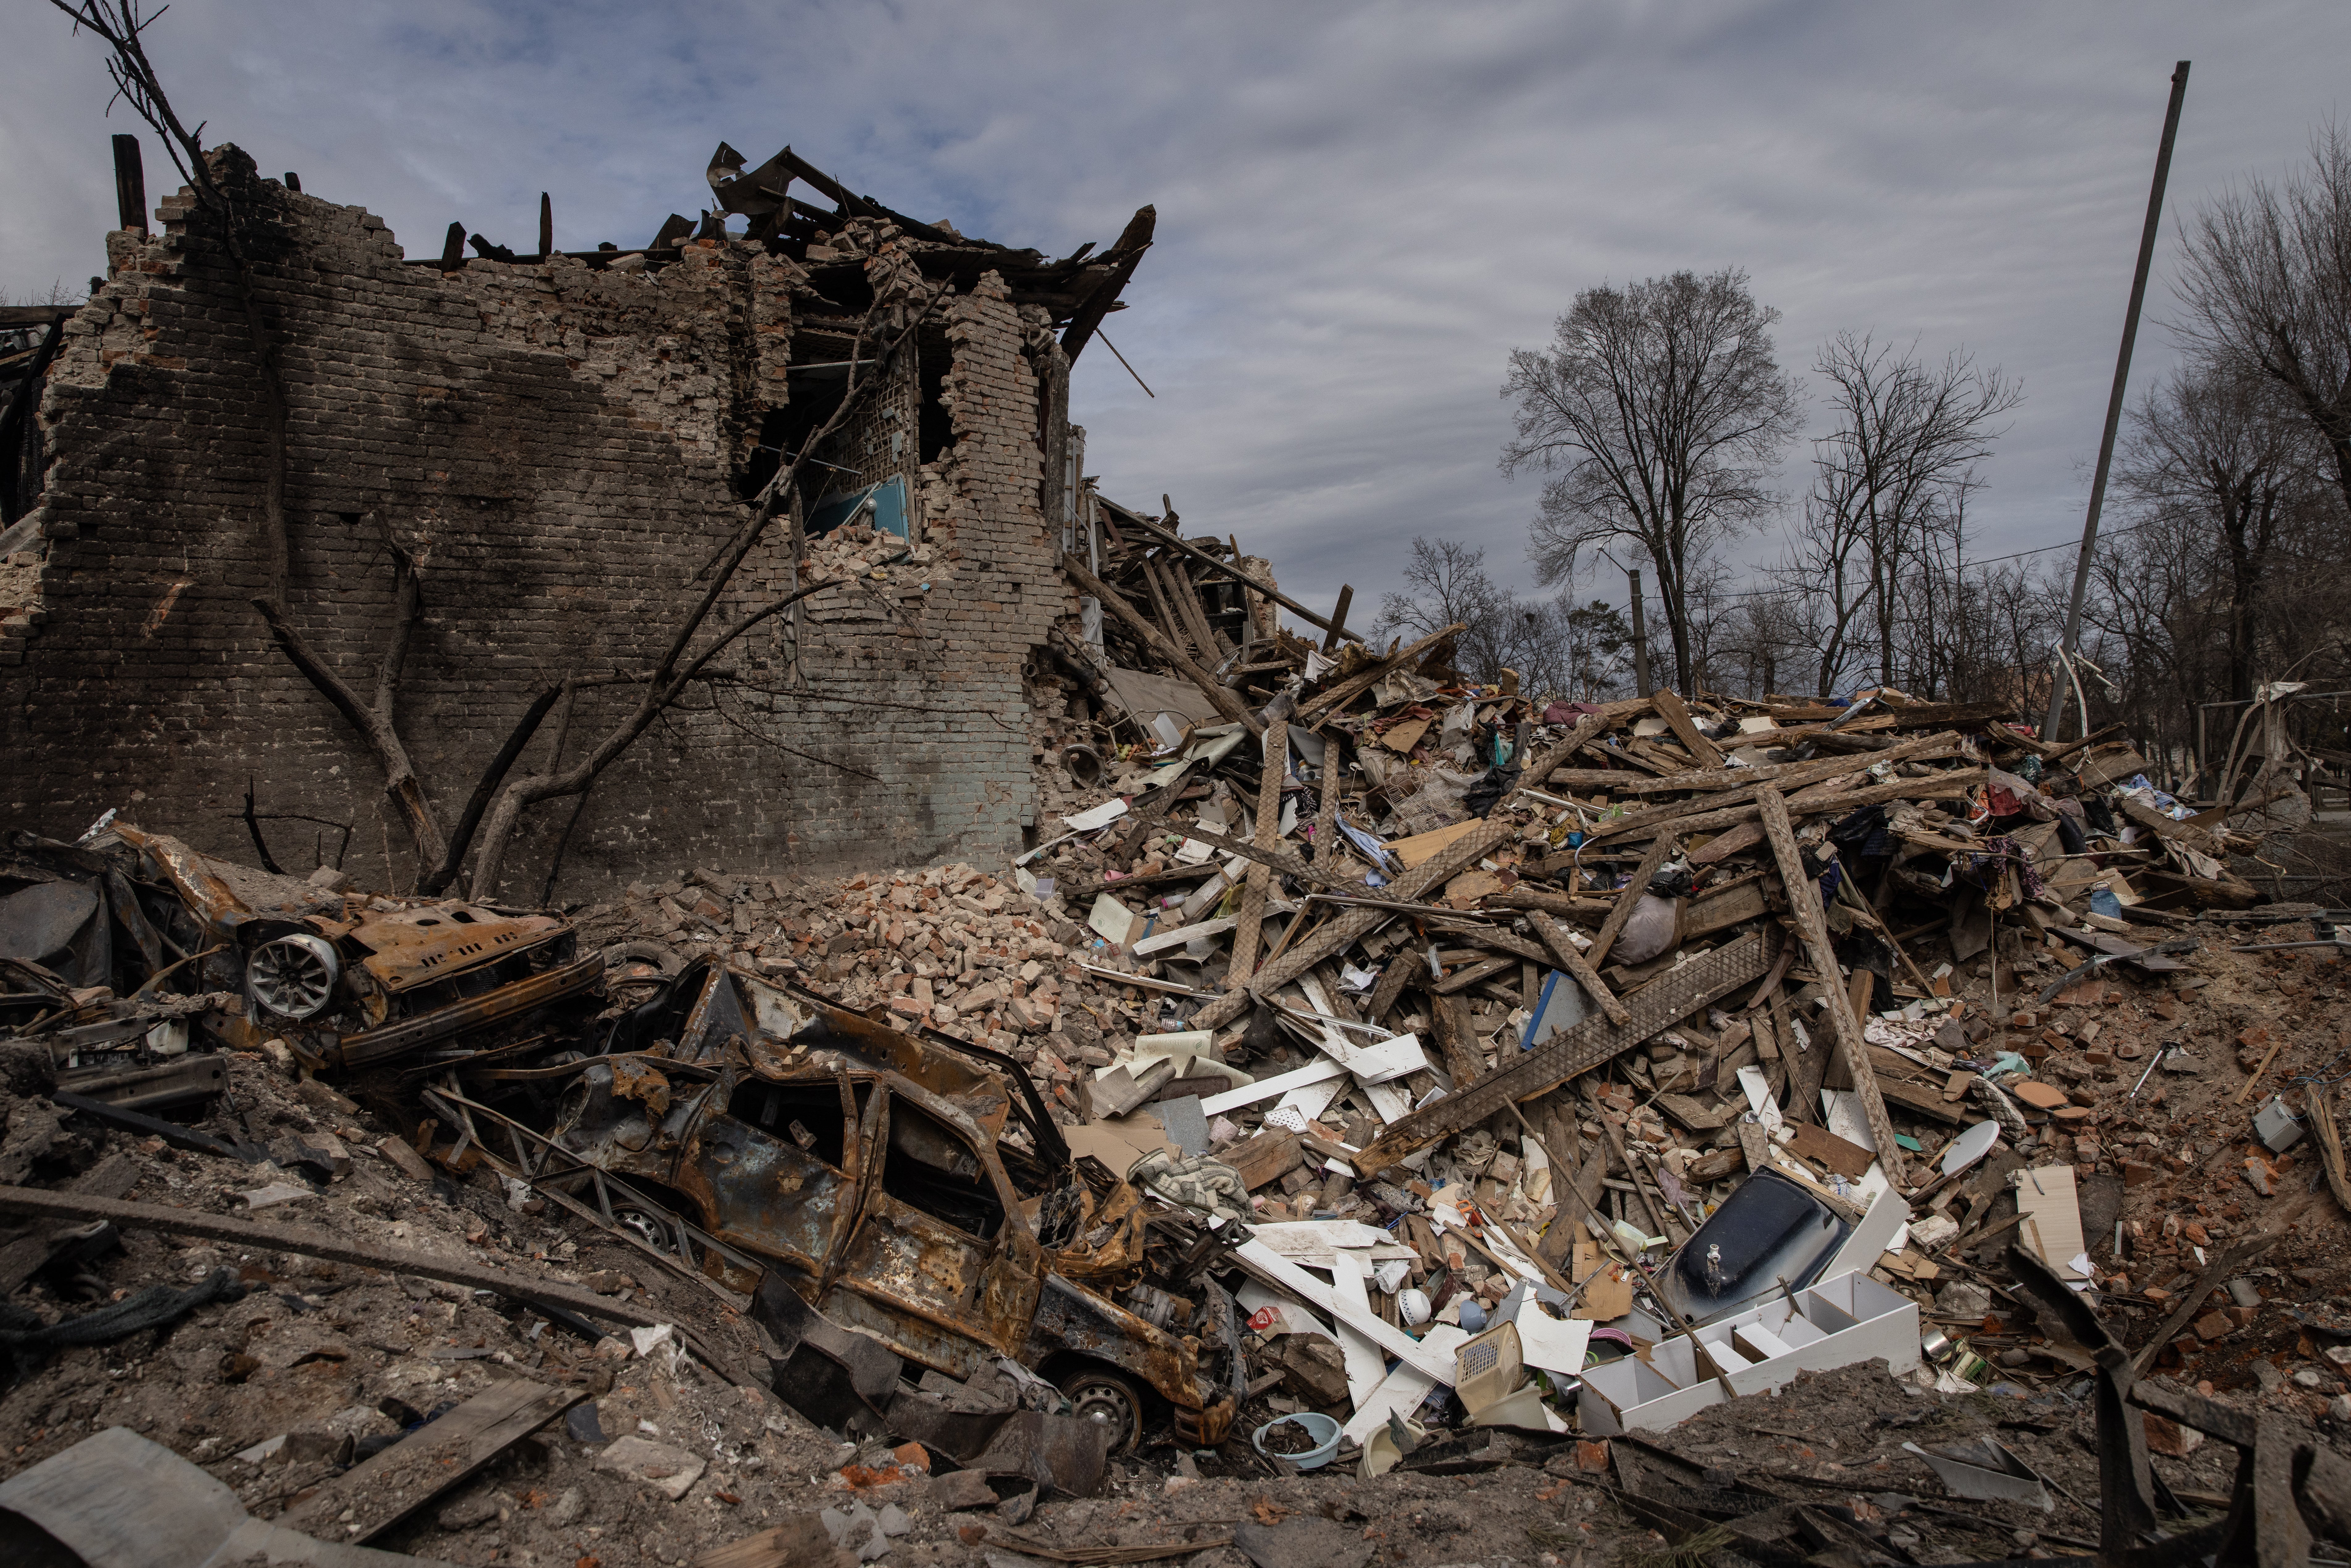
(1536, 1151)
(1407, 1119)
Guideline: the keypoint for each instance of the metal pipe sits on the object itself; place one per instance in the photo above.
(2122, 381)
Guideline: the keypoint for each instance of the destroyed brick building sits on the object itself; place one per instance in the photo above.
(559, 443)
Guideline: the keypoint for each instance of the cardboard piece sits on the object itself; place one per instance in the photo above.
(1607, 1292)
(1113, 922)
(1401, 738)
(1553, 1345)
(2050, 1218)
(1409, 853)
(1120, 1140)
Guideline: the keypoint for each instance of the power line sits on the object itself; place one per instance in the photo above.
(1987, 560)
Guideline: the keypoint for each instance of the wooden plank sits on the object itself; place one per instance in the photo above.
(1268, 1157)
(1500, 941)
(1720, 908)
(382, 1491)
(1578, 967)
(1338, 627)
(1525, 897)
(1921, 1100)
(1677, 714)
(1339, 934)
(1227, 704)
(1745, 836)
(1629, 896)
(1696, 1115)
(1457, 1041)
(1804, 901)
(21, 1259)
(1401, 971)
(1809, 802)
(1180, 611)
(1826, 1149)
(2330, 1144)
(336, 1247)
(1272, 769)
(802, 1544)
(1175, 630)
(1462, 979)
(1370, 675)
(1409, 853)
(1787, 779)
(1659, 1006)
(1167, 537)
(1187, 594)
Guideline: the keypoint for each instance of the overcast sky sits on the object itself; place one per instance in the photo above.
(1361, 208)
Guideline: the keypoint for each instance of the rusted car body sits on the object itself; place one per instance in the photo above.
(381, 988)
(896, 1187)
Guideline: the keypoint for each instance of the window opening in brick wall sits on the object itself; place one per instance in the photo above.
(935, 357)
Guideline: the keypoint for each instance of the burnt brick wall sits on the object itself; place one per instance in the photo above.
(560, 449)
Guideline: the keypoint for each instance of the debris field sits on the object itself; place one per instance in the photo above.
(1371, 1116)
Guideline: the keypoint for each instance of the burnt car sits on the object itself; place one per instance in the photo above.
(916, 1192)
(355, 990)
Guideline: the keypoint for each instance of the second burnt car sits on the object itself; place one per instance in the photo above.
(354, 986)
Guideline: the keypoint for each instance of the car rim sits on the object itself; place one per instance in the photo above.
(291, 979)
(1098, 1399)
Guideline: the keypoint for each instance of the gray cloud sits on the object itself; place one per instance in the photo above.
(1363, 208)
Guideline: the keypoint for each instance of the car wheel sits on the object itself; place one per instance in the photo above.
(648, 1225)
(1097, 1395)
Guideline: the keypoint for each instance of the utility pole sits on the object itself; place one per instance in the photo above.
(1640, 637)
(2114, 406)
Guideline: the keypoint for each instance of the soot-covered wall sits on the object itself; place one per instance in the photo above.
(561, 450)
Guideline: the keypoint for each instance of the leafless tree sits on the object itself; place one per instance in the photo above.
(2232, 565)
(1557, 647)
(2266, 280)
(56, 293)
(1906, 436)
(1447, 584)
(1760, 636)
(2216, 453)
(1658, 410)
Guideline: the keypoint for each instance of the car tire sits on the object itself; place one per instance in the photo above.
(1098, 1394)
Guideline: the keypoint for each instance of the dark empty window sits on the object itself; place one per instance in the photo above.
(931, 1168)
(806, 1115)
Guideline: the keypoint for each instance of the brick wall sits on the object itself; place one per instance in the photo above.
(561, 448)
